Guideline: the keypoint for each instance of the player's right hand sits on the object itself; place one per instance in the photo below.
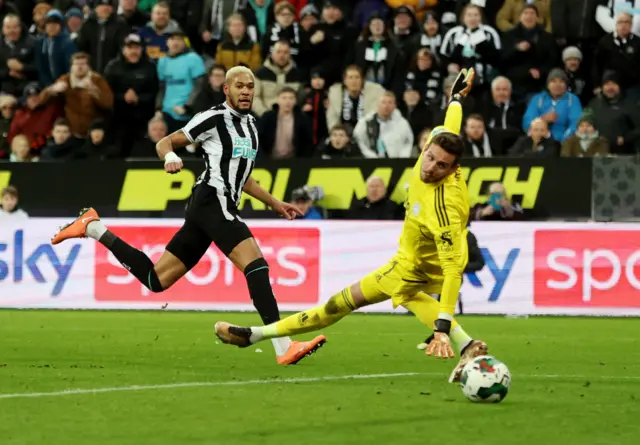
(440, 346)
(172, 163)
(463, 83)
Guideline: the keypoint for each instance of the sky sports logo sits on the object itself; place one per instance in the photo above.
(20, 262)
(500, 272)
(587, 268)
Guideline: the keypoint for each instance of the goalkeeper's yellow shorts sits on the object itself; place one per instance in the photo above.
(398, 283)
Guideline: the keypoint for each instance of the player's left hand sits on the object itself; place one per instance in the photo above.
(440, 346)
(287, 210)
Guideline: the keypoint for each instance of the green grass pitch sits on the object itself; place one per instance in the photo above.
(575, 381)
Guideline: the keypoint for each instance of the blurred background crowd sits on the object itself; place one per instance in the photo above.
(335, 78)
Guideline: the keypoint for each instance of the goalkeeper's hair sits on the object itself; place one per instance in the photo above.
(451, 143)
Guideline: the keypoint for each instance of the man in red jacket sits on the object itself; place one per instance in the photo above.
(34, 119)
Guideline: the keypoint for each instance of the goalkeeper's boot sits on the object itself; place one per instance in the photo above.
(76, 229)
(301, 349)
(474, 349)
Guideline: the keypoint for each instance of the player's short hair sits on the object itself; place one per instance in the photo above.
(449, 142)
(61, 122)
(11, 191)
(237, 70)
(80, 56)
(287, 89)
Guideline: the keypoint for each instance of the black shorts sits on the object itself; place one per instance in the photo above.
(211, 216)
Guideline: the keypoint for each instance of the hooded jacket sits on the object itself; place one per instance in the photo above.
(392, 139)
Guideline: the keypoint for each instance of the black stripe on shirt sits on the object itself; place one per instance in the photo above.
(227, 151)
(207, 124)
(441, 210)
(242, 165)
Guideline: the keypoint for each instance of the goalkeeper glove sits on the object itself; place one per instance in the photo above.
(462, 85)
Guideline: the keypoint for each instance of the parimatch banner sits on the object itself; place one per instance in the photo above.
(558, 188)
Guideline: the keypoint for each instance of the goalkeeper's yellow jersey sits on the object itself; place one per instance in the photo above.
(433, 241)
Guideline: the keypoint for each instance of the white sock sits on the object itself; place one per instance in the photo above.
(95, 230)
(281, 345)
(256, 335)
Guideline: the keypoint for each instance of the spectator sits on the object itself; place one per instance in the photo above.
(102, 35)
(304, 202)
(156, 130)
(384, 133)
(606, 13)
(329, 39)
(578, 77)
(498, 207)
(209, 94)
(378, 55)
(351, 100)
(179, 73)
(157, 32)
(556, 106)
(237, 48)
(586, 142)
(422, 139)
(20, 150)
(7, 110)
(529, 54)
(424, 77)
(9, 207)
(314, 100)
(446, 10)
(473, 45)
(503, 115)
(308, 19)
(75, 20)
(134, 82)
(338, 145)
(277, 71)
(61, 147)
(40, 12)
(438, 110)
(488, 8)
(573, 23)
(298, 5)
(34, 119)
(619, 51)
(215, 15)
(86, 95)
(95, 146)
(365, 9)
(284, 28)
(17, 62)
(430, 38)
(189, 15)
(511, 14)
(415, 111)
(134, 17)
(405, 26)
(53, 50)
(477, 142)
(259, 17)
(538, 143)
(285, 131)
(376, 205)
(615, 114)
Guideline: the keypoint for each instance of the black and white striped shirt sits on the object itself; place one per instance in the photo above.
(230, 143)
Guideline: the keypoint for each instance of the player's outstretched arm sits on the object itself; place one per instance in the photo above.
(460, 89)
(252, 188)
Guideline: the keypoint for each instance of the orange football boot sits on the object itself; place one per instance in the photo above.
(76, 229)
(301, 349)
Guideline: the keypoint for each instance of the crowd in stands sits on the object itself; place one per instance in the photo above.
(84, 79)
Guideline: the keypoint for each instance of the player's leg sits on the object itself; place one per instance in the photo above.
(156, 277)
(367, 291)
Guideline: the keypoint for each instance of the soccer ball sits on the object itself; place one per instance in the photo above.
(485, 379)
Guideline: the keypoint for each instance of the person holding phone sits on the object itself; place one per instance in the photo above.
(498, 207)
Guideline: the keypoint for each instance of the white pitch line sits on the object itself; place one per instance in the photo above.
(69, 392)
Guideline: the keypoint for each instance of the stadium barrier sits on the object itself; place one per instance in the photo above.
(531, 268)
(558, 188)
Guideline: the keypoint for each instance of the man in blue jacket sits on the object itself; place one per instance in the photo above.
(556, 106)
(53, 50)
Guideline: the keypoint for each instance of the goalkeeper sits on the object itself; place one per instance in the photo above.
(430, 260)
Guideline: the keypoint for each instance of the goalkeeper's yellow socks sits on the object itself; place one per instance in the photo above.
(319, 317)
